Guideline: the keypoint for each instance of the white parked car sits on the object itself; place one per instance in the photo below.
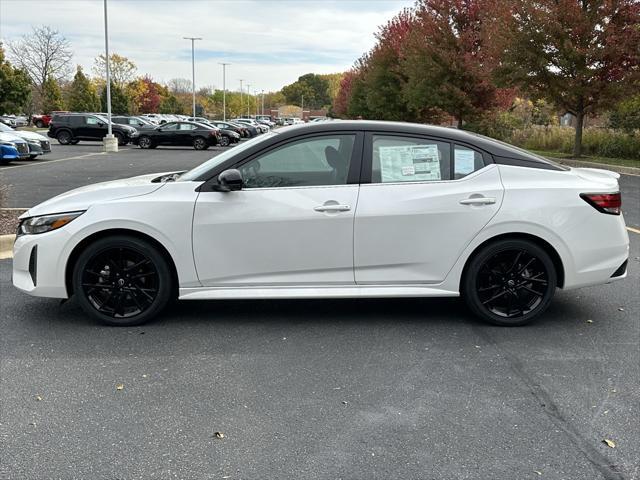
(333, 209)
(30, 137)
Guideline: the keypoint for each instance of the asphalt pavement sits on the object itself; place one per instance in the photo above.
(326, 389)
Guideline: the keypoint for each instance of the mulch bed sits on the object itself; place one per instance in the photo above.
(9, 220)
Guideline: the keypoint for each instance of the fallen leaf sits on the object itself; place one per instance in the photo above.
(609, 443)
(120, 386)
(218, 434)
(537, 472)
(144, 375)
(621, 309)
(589, 321)
(38, 398)
(344, 402)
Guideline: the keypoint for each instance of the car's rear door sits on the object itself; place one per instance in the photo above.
(292, 222)
(421, 202)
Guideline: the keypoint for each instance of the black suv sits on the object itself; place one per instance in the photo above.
(70, 128)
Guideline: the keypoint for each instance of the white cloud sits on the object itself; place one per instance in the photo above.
(269, 43)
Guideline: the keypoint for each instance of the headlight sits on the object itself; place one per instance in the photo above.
(46, 223)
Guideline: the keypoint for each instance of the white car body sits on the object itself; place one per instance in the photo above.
(30, 136)
(390, 240)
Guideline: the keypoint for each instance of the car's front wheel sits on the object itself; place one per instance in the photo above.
(64, 137)
(145, 142)
(199, 143)
(224, 141)
(122, 280)
(509, 282)
(120, 138)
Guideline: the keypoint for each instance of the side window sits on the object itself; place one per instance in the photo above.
(466, 161)
(407, 159)
(187, 126)
(92, 121)
(76, 120)
(313, 161)
(169, 126)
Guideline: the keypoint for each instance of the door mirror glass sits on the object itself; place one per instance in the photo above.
(230, 180)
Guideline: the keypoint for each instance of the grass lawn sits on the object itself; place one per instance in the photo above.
(623, 162)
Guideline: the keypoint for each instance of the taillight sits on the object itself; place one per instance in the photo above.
(604, 202)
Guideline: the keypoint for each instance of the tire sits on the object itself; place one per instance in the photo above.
(225, 141)
(120, 138)
(33, 157)
(39, 124)
(64, 137)
(200, 143)
(122, 281)
(509, 282)
(74, 142)
(145, 142)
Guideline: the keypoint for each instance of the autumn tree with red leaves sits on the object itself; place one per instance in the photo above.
(582, 55)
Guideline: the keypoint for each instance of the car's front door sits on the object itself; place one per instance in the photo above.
(93, 128)
(166, 134)
(427, 199)
(292, 222)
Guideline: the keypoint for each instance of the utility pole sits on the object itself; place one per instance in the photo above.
(224, 90)
(248, 99)
(255, 95)
(110, 142)
(193, 72)
(241, 92)
(262, 112)
(302, 108)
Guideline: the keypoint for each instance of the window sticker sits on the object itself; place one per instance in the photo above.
(465, 161)
(413, 163)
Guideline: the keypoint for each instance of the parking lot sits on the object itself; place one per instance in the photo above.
(366, 388)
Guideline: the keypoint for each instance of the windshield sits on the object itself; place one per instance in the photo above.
(5, 128)
(223, 157)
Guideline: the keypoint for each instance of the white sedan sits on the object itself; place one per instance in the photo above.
(332, 209)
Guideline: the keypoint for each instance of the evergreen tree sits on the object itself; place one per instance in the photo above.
(119, 100)
(82, 94)
(51, 96)
(15, 88)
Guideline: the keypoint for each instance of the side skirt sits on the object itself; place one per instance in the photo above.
(348, 291)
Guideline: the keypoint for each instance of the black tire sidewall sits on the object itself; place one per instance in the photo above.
(64, 134)
(225, 141)
(120, 138)
(165, 290)
(142, 140)
(197, 140)
(469, 292)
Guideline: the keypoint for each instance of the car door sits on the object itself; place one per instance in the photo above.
(425, 201)
(292, 222)
(93, 128)
(166, 134)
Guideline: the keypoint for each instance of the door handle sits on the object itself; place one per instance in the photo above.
(478, 201)
(332, 208)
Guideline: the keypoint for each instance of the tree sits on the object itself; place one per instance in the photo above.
(51, 96)
(179, 85)
(43, 53)
(448, 63)
(82, 94)
(119, 100)
(580, 55)
(333, 82)
(14, 87)
(170, 104)
(121, 69)
(626, 115)
(144, 94)
(314, 88)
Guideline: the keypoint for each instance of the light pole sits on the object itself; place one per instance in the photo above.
(248, 99)
(193, 71)
(241, 92)
(302, 107)
(255, 95)
(110, 142)
(224, 90)
(262, 112)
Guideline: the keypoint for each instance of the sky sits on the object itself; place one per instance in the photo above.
(269, 43)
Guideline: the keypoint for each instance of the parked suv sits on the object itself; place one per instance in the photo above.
(70, 128)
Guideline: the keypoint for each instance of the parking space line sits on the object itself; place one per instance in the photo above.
(36, 164)
(634, 230)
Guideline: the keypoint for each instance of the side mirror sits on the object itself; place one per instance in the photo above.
(100, 124)
(230, 180)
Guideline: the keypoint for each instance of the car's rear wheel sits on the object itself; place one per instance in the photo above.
(199, 143)
(145, 142)
(509, 282)
(122, 281)
(64, 137)
(39, 124)
(224, 141)
(120, 138)
(74, 142)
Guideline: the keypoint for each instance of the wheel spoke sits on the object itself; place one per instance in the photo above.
(538, 294)
(496, 296)
(105, 286)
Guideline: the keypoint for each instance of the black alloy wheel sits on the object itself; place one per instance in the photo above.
(64, 137)
(510, 282)
(200, 143)
(122, 281)
(224, 141)
(145, 142)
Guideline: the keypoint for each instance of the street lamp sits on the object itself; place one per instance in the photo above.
(110, 142)
(193, 71)
(262, 112)
(241, 92)
(224, 90)
(248, 99)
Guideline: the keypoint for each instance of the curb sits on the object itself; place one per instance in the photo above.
(6, 246)
(605, 166)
